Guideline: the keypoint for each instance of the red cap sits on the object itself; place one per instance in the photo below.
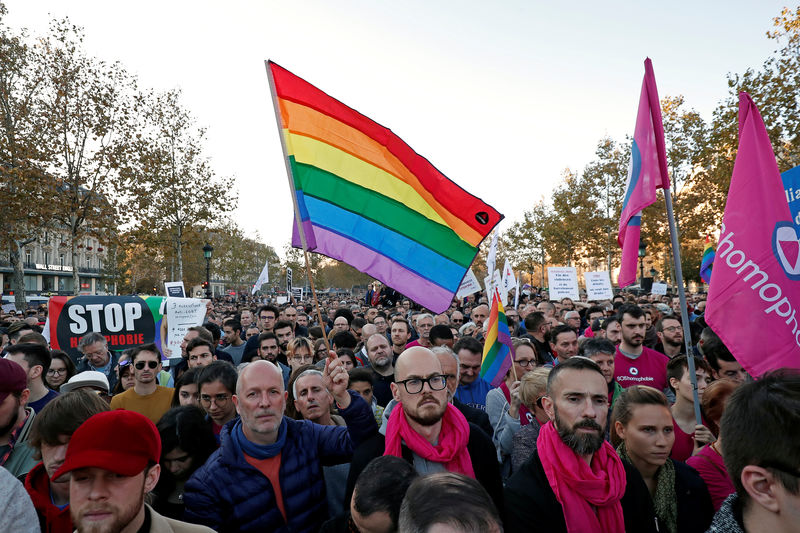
(12, 378)
(119, 441)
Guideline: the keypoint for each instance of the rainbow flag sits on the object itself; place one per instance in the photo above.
(363, 196)
(498, 351)
(708, 261)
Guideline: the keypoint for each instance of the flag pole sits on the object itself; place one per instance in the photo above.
(658, 128)
(297, 218)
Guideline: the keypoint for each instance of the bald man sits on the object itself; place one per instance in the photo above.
(274, 462)
(426, 430)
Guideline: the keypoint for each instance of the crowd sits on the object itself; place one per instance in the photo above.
(371, 416)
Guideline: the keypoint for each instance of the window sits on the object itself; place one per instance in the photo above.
(28, 256)
(61, 259)
(31, 283)
(47, 258)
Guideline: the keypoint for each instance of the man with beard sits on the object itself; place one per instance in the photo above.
(285, 333)
(575, 481)
(267, 473)
(380, 358)
(670, 337)
(634, 363)
(428, 431)
(112, 460)
(611, 330)
(399, 333)
(16, 419)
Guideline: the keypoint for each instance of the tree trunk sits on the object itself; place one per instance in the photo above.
(18, 275)
(76, 279)
(179, 250)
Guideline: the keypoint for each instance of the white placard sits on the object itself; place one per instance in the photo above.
(182, 313)
(175, 289)
(9, 308)
(598, 285)
(659, 288)
(281, 300)
(563, 283)
(469, 285)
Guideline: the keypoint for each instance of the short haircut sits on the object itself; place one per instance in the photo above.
(446, 350)
(91, 338)
(304, 373)
(441, 331)
(573, 363)
(362, 374)
(214, 330)
(660, 323)
(549, 305)
(607, 322)
(149, 347)
(632, 310)
(197, 341)
(422, 316)
(202, 333)
(358, 322)
(593, 346)
(33, 353)
(679, 365)
(221, 371)
(33, 337)
(234, 324)
(626, 402)
(382, 485)
(63, 415)
(268, 308)
(402, 321)
(558, 330)
(595, 309)
(315, 332)
(534, 321)
(185, 427)
(283, 324)
(346, 313)
(761, 426)
(442, 498)
(266, 335)
(533, 385)
(468, 343)
(344, 339)
(714, 349)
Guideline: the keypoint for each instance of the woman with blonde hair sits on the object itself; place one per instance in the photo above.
(299, 352)
(532, 388)
(643, 432)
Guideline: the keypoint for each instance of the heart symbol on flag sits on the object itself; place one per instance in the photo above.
(786, 245)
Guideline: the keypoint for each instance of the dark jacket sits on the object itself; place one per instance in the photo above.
(531, 504)
(695, 510)
(51, 518)
(480, 448)
(475, 416)
(111, 374)
(228, 494)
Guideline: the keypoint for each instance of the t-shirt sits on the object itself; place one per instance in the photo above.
(153, 406)
(684, 444)
(650, 369)
(474, 394)
(711, 467)
(381, 388)
(44, 400)
(270, 467)
(236, 352)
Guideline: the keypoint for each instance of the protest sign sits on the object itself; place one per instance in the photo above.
(297, 293)
(288, 279)
(125, 321)
(175, 289)
(182, 313)
(659, 288)
(563, 283)
(598, 285)
(9, 308)
(469, 285)
(280, 300)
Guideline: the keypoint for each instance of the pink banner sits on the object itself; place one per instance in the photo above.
(755, 284)
(647, 172)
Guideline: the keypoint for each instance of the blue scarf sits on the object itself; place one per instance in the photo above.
(259, 451)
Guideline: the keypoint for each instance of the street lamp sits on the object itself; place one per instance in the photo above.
(207, 249)
(642, 253)
(653, 273)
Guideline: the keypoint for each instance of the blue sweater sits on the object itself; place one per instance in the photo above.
(228, 494)
(475, 393)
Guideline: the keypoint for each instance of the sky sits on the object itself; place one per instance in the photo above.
(500, 96)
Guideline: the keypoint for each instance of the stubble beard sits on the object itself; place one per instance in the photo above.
(430, 418)
(120, 519)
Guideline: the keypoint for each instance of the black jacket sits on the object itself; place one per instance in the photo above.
(695, 510)
(531, 504)
(480, 448)
(474, 416)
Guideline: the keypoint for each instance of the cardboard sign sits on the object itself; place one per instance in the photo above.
(182, 313)
(469, 285)
(563, 283)
(659, 288)
(598, 285)
(175, 289)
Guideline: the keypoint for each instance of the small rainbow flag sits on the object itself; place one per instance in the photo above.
(497, 348)
(363, 196)
(708, 261)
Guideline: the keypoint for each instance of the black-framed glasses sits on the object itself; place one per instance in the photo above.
(219, 399)
(152, 365)
(56, 371)
(525, 363)
(414, 385)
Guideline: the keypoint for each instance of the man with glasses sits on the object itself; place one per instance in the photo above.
(425, 429)
(146, 397)
(200, 353)
(97, 357)
(670, 337)
(424, 323)
(216, 384)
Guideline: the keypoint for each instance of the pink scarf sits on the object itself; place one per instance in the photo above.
(452, 447)
(590, 496)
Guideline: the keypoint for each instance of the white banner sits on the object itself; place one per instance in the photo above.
(469, 285)
(598, 285)
(563, 283)
(659, 288)
(262, 278)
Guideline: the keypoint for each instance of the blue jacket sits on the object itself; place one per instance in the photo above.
(228, 494)
(475, 393)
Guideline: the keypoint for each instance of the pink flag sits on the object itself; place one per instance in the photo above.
(647, 172)
(755, 284)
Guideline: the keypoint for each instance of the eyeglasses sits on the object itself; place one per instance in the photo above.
(96, 354)
(150, 364)
(672, 328)
(219, 399)
(414, 385)
(56, 371)
(525, 363)
(300, 358)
